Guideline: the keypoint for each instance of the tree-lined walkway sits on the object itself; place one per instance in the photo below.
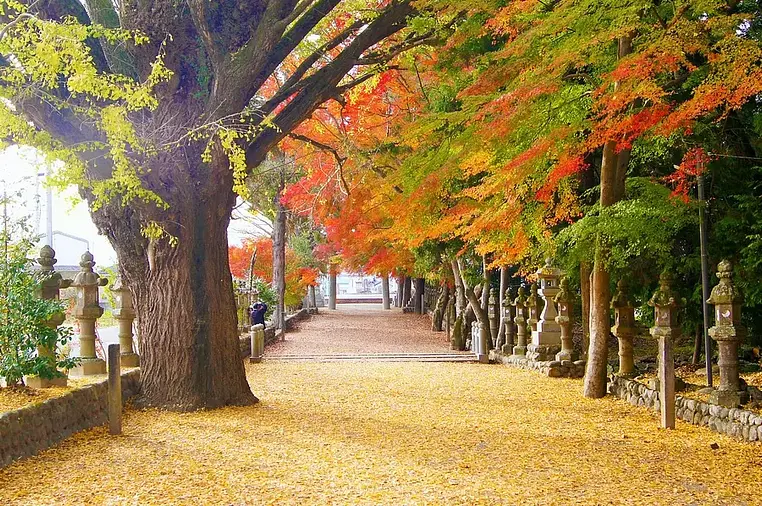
(393, 433)
(365, 331)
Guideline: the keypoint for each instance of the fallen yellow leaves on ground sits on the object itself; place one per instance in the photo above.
(14, 397)
(404, 433)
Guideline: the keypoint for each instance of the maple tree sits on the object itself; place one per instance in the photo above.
(528, 111)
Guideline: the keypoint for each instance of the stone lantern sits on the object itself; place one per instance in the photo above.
(666, 307)
(509, 313)
(50, 287)
(124, 312)
(565, 319)
(534, 308)
(493, 316)
(87, 310)
(520, 304)
(548, 331)
(728, 332)
(624, 327)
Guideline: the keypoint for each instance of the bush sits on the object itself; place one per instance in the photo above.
(23, 318)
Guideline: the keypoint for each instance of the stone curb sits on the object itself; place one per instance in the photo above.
(734, 422)
(29, 430)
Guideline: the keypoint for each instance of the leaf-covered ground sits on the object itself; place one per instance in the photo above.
(18, 397)
(394, 433)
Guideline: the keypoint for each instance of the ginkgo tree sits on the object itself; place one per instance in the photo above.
(159, 110)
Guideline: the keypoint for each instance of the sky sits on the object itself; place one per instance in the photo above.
(22, 170)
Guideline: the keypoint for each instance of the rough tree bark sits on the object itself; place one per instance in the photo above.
(385, 291)
(221, 54)
(585, 277)
(613, 173)
(279, 250)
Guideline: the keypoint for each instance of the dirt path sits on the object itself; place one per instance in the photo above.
(362, 328)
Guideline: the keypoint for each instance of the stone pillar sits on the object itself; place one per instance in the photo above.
(565, 319)
(728, 332)
(666, 329)
(546, 333)
(624, 327)
(50, 287)
(509, 313)
(332, 287)
(124, 312)
(521, 323)
(87, 310)
(493, 314)
(257, 336)
(482, 354)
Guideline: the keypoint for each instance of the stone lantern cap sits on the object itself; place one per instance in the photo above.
(508, 298)
(564, 295)
(725, 292)
(548, 271)
(622, 297)
(86, 276)
(521, 298)
(47, 258)
(664, 296)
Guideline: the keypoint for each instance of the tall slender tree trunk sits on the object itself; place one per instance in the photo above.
(504, 280)
(279, 255)
(585, 276)
(420, 286)
(385, 291)
(613, 172)
(400, 283)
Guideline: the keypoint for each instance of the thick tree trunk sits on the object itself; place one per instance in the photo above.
(279, 264)
(613, 172)
(190, 357)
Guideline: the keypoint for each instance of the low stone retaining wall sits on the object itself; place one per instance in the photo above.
(29, 430)
(244, 342)
(734, 422)
(552, 369)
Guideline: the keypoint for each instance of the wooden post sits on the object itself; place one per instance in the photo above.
(114, 389)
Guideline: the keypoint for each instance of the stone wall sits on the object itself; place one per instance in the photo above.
(553, 368)
(244, 342)
(734, 422)
(29, 430)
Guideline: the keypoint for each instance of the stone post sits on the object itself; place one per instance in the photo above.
(728, 332)
(666, 329)
(124, 312)
(509, 313)
(87, 310)
(565, 319)
(482, 354)
(257, 334)
(493, 315)
(624, 327)
(49, 289)
(520, 319)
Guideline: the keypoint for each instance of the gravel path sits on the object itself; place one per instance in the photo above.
(362, 328)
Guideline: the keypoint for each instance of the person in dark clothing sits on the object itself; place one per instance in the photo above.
(257, 313)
